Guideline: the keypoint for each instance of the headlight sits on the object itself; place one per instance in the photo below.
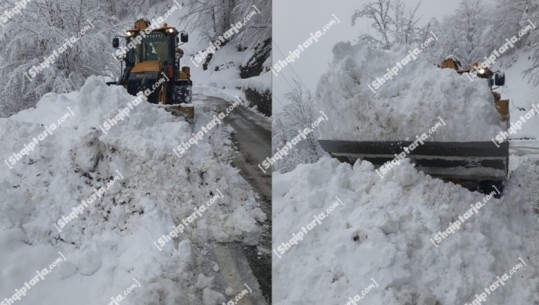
(129, 34)
(481, 71)
(170, 31)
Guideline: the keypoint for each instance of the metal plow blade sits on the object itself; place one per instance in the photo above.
(185, 110)
(475, 165)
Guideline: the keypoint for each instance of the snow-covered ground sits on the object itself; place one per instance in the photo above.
(117, 241)
(386, 230)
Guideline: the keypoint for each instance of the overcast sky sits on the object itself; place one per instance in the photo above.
(293, 21)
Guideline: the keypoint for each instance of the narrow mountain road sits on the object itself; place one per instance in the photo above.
(252, 137)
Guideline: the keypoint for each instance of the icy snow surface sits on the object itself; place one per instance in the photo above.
(111, 244)
(383, 232)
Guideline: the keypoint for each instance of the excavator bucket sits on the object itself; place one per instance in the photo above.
(475, 165)
(479, 166)
(185, 110)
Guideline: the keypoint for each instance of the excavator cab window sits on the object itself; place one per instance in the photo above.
(156, 46)
(156, 50)
(149, 51)
(132, 57)
(499, 78)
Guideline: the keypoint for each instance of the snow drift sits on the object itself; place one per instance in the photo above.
(383, 232)
(407, 105)
(112, 242)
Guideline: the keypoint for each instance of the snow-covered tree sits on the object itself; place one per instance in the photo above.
(406, 28)
(391, 22)
(127, 9)
(466, 29)
(461, 34)
(297, 115)
(532, 42)
(435, 50)
(259, 28)
(279, 137)
(211, 17)
(508, 18)
(52, 46)
(214, 17)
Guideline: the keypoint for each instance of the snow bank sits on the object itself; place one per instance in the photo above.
(408, 105)
(112, 242)
(383, 231)
(260, 83)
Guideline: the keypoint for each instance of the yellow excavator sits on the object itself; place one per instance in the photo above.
(150, 62)
(475, 165)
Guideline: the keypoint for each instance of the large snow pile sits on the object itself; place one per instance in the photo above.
(418, 95)
(146, 191)
(382, 234)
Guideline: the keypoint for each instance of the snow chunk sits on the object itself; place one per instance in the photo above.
(211, 297)
(408, 105)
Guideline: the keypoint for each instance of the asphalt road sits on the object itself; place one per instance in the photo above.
(245, 264)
